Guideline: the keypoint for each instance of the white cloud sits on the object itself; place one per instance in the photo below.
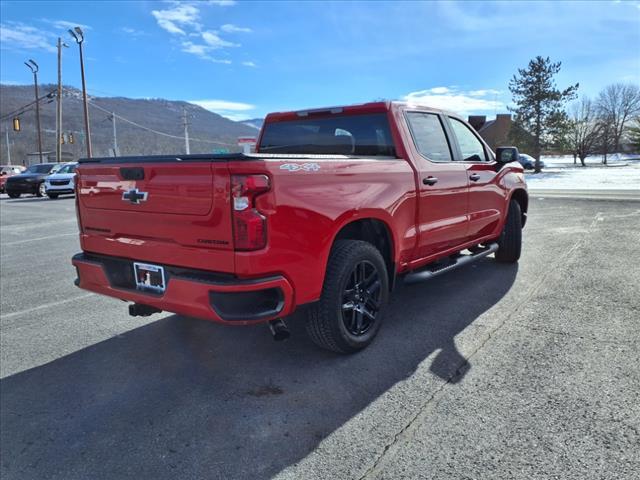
(215, 42)
(133, 32)
(215, 105)
(202, 51)
(222, 3)
(65, 24)
(226, 108)
(452, 99)
(18, 36)
(438, 90)
(190, 47)
(182, 19)
(230, 28)
(484, 93)
(180, 16)
(249, 64)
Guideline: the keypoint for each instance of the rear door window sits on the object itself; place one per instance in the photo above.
(471, 148)
(367, 135)
(429, 137)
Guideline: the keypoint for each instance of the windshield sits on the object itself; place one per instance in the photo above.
(67, 169)
(39, 168)
(337, 134)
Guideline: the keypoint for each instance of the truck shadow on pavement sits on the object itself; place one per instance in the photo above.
(183, 398)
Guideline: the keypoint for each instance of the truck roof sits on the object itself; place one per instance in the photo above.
(359, 108)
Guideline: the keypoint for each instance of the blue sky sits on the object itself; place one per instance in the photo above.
(244, 59)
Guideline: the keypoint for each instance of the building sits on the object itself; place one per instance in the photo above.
(494, 132)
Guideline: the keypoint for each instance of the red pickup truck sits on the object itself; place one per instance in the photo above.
(336, 205)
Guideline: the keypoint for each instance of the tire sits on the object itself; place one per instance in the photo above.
(41, 192)
(52, 196)
(510, 241)
(352, 263)
(13, 194)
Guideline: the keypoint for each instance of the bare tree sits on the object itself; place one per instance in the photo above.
(618, 103)
(584, 129)
(606, 138)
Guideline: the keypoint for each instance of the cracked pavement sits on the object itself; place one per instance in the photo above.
(491, 371)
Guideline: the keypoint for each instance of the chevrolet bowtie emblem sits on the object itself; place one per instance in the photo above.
(135, 196)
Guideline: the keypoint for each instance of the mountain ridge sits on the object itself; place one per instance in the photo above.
(208, 131)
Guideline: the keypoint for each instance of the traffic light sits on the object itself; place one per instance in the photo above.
(71, 137)
(16, 124)
(62, 139)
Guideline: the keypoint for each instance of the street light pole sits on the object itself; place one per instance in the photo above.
(78, 36)
(59, 103)
(115, 135)
(185, 124)
(33, 66)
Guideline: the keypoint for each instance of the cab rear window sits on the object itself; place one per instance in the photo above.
(338, 135)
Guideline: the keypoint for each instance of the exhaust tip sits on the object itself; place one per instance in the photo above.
(279, 330)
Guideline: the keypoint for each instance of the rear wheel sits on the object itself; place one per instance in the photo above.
(13, 194)
(42, 191)
(349, 313)
(510, 241)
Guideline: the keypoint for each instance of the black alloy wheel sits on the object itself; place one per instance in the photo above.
(350, 311)
(361, 298)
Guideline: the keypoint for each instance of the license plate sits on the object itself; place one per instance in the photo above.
(149, 277)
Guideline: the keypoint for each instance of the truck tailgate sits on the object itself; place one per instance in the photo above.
(171, 188)
(169, 212)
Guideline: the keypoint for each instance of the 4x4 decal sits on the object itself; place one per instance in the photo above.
(296, 167)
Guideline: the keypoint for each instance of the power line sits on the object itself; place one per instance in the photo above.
(21, 110)
(164, 134)
(25, 108)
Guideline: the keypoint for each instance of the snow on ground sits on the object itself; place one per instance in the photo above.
(621, 173)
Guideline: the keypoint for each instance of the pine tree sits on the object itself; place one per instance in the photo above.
(634, 134)
(539, 104)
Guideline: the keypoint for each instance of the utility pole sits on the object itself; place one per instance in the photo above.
(77, 34)
(8, 147)
(185, 123)
(59, 103)
(33, 66)
(115, 135)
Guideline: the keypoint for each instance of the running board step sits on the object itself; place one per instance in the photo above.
(427, 274)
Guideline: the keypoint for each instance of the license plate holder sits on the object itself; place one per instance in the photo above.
(149, 277)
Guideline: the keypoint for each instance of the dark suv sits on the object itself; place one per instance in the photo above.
(30, 181)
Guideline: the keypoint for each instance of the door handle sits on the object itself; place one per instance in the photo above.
(474, 177)
(430, 180)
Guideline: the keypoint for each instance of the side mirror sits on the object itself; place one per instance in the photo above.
(507, 154)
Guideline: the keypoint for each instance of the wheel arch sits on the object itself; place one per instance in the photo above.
(521, 196)
(376, 232)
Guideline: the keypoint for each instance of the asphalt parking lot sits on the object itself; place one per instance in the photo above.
(492, 371)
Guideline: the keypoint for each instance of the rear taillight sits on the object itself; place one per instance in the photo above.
(249, 225)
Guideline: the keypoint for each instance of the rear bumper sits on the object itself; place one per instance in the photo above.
(210, 296)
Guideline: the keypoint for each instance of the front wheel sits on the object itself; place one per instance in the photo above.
(510, 241)
(350, 310)
(42, 191)
(52, 196)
